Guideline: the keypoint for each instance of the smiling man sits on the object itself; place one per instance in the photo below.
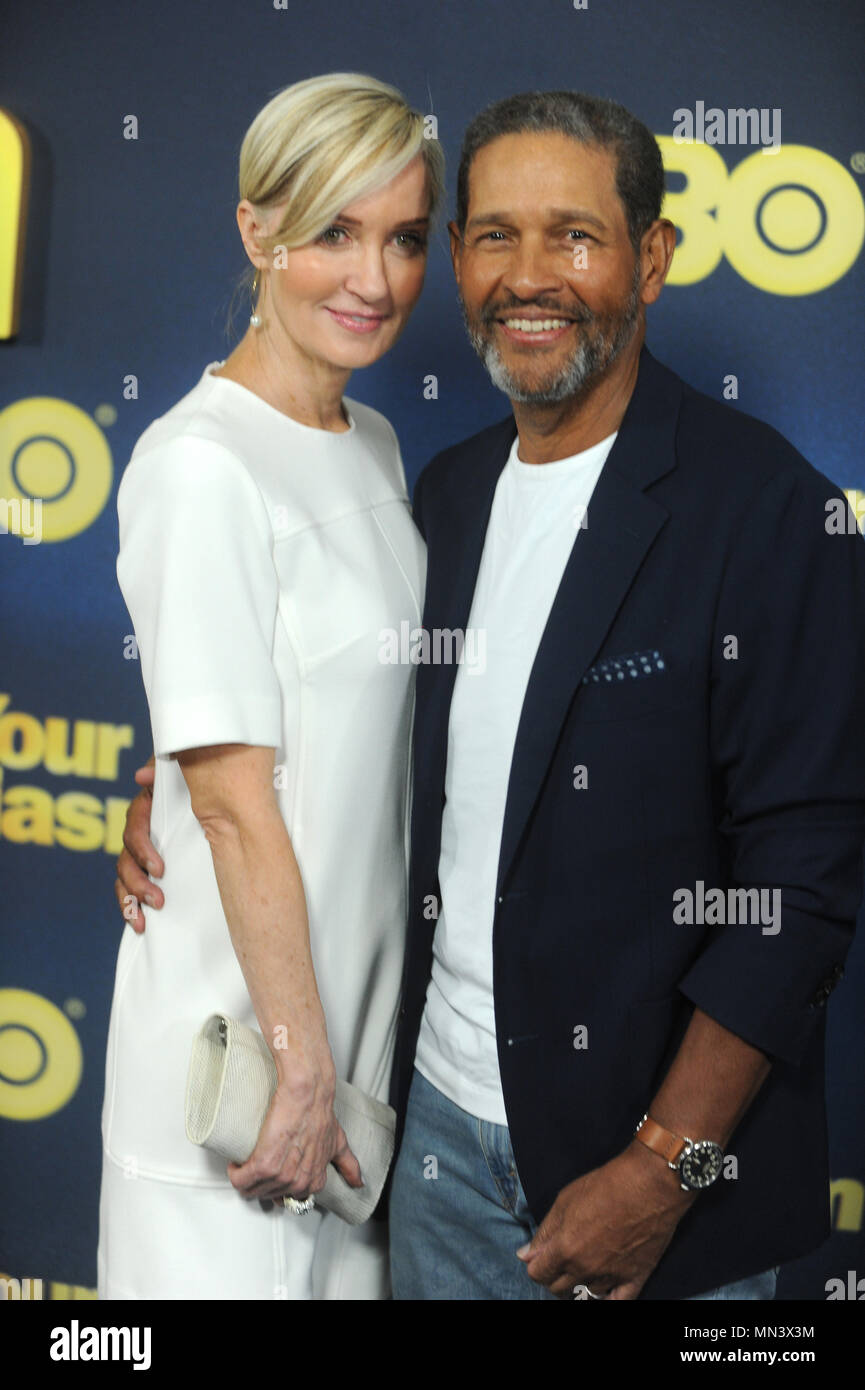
(659, 591)
(591, 324)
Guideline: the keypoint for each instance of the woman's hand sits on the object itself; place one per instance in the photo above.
(139, 856)
(299, 1138)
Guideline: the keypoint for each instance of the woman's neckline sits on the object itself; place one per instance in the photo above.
(281, 414)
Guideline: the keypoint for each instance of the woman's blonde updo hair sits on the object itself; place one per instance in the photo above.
(322, 143)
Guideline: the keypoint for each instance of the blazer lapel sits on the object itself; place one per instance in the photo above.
(622, 524)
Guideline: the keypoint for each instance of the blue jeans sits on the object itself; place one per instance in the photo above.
(458, 1212)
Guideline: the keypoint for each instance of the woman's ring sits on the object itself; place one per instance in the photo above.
(296, 1207)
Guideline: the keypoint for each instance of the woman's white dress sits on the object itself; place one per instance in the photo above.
(263, 563)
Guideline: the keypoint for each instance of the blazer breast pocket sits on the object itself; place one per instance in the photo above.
(632, 685)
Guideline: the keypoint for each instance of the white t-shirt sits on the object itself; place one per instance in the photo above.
(537, 514)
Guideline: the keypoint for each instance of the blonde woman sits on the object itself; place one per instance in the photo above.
(265, 541)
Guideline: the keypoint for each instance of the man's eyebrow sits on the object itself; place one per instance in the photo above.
(576, 215)
(556, 215)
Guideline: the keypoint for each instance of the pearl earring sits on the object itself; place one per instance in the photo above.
(255, 318)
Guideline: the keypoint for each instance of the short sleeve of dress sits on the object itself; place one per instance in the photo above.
(196, 570)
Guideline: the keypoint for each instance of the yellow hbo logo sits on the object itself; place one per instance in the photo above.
(40, 1056)
(790, 221)
(53, 451)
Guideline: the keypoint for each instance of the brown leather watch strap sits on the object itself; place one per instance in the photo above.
(661, 1141)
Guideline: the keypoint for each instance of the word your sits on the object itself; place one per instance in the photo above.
(101, 1344)
(79, 747)
(64, 747)
(444, 646)
(738, 906)
(715, 127)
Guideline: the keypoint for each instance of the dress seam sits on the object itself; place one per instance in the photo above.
(396, 500)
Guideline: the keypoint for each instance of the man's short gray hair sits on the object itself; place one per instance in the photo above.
(589, 120)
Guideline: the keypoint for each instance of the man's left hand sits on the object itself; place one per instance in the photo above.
(609, 1228)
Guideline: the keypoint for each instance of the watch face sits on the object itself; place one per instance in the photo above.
(701, 1164)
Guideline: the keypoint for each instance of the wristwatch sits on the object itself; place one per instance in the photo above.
(697, 1164)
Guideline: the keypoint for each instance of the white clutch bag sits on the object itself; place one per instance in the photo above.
(232, 1078)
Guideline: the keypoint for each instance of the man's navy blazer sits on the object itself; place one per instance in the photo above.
(711, 565)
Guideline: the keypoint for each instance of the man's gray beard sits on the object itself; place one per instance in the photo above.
(591, 357)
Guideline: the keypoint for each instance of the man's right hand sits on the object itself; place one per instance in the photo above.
(139, 856)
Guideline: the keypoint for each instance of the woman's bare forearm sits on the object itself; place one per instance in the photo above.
(231, 789)
(260, 885)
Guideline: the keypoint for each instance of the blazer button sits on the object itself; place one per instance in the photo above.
(827, 986)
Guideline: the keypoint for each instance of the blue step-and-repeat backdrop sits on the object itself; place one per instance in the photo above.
(124, 122)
